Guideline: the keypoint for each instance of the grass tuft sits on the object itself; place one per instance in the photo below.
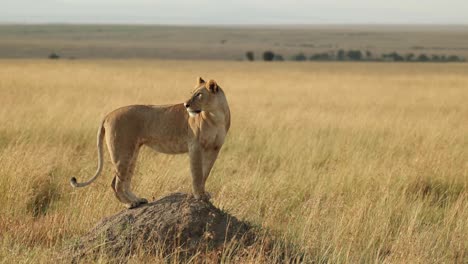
(436, 191)
(45, 191)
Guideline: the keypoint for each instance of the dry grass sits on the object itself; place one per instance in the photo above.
(351, 162)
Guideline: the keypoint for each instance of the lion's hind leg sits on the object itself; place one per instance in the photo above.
(123, 159)
(128, 187)
(119, 193)
(122, 190)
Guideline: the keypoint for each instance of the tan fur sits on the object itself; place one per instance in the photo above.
(166, 129)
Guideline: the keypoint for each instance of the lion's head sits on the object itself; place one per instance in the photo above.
(205, 97)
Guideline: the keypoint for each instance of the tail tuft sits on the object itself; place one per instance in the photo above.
(73, 182)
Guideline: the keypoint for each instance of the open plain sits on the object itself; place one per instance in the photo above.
(227, 42)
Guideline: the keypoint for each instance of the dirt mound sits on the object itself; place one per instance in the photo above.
(177, 221)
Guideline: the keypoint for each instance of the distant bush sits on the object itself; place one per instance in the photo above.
(250, 55)
(387, 57)
(355, 55)
(423, 58)
(409, 57)
(278, 57)
(350, 55)
(321, 57)
(341, 55)
(54, 56)
(299, 57)
(268, 55)
(393, 56)
(454, 58)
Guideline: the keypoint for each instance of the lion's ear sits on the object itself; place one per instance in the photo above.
(212, 86)
(200, 80)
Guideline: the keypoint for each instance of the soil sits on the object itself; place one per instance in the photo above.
(176, 221)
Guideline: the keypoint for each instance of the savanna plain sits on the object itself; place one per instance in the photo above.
(349, 162)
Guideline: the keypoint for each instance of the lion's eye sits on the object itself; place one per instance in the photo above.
(199, 95)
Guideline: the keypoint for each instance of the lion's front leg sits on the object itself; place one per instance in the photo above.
(209, 158)
(196, 168)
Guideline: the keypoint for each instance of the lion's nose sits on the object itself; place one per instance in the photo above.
(187, 105)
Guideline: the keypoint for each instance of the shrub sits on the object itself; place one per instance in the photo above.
(268, 55)
(54, 56)
(389, 56)
(409, 56)
(423, 58)
(454, 58)
(341, 55)
(394, 56)
(250, 55)
(278, 57)
(354, 55)
(299, 57)
(320, 57)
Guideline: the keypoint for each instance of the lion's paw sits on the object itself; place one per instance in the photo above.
(203, 197)
(137, 203)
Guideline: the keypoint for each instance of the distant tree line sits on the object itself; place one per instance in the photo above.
(357, 55)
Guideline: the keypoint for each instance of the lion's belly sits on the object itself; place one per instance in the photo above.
(168, 146)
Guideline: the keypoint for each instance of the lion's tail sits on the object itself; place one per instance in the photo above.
(100, 137)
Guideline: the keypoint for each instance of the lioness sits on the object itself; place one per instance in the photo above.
(197, 126)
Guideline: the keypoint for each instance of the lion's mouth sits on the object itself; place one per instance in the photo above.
(193, 112)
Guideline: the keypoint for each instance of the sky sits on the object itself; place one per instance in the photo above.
(235, 12)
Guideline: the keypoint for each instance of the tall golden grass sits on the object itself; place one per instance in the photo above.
(350, 162)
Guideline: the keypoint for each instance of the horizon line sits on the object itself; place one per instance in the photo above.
(230, 24)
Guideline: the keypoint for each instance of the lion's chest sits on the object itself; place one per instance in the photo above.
(212, 139)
